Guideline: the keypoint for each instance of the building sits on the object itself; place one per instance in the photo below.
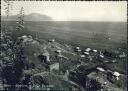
(100, 69)
(58, 52)
(101, 56)
(54, 66)
(82, 56)
(94, 50)
(122, 55)
(116, 74)
(44, 57)
(86, 53)
(52, 40)
(24, 36)
(113, 76)
(77, 48)
(88, 49)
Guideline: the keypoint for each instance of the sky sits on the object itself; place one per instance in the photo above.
(115, 11)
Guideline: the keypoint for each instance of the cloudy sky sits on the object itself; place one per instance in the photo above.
(74, 11)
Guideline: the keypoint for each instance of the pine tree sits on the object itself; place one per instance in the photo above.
(19, 30)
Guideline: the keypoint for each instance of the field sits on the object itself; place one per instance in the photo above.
(102, 35)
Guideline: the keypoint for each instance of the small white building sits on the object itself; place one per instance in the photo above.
(101, 56)
(58, 51)
(24, 36)
(116, 74)
(54, 66)
(82, 56)
(86, 53)
(100, 69)
(88, 49)
(77, 48)
(27, 38)
(94, 50)
(52, 40)
(46, 55)
(105, 83)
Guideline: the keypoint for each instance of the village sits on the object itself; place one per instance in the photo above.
(81, 68)
(88, 65)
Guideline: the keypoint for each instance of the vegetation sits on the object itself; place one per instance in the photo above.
(13, 57)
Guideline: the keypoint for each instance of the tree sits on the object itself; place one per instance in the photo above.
(94, 85)
(13, 55)
(20, 20)
(19, 30)
(8, 7)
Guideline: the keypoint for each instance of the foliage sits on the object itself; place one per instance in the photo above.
(13, 58)
(19, 30)
(8, 7)
(94, 85)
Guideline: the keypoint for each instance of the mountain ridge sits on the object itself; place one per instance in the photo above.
(30, 17)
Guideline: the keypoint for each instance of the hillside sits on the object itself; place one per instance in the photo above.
(82, 33)
(55, 53)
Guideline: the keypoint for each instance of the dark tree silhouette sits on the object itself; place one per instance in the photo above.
(94, 85)
(13, 58)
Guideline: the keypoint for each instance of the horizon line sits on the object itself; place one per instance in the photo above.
(62, 20)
